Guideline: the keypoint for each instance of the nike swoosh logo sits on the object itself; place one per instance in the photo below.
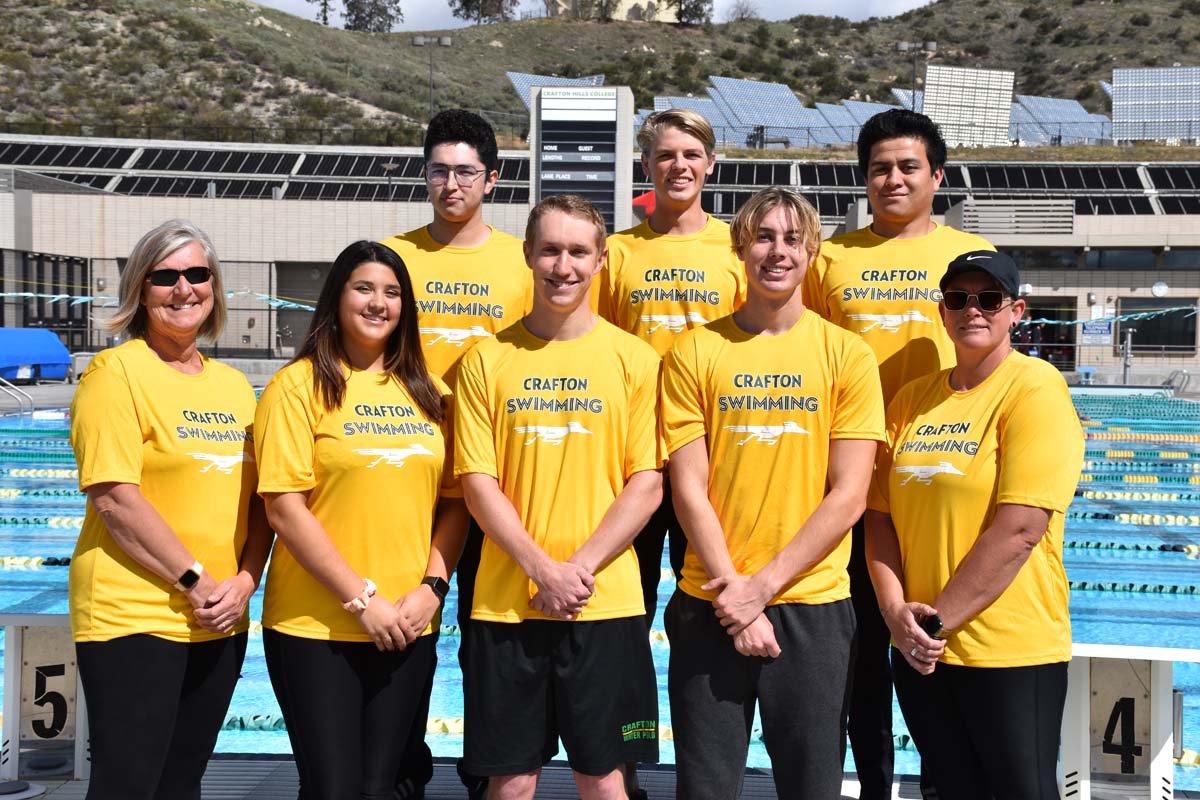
(972, 258)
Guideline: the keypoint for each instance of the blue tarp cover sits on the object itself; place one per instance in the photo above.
(32, 347)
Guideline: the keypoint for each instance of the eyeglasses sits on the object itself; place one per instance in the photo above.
(170, 277)
(464, 174)
(989, 300)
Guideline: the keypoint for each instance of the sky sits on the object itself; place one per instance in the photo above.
(424, 15)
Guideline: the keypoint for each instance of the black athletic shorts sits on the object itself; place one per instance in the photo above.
(529, 683)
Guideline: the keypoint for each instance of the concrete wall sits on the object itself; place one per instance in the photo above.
(7, 214)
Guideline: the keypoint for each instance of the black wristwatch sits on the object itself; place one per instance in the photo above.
(439, 586)
(932, 625)
(189, 578)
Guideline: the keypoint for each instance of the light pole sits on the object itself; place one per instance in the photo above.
(432, 42)
(917, 49)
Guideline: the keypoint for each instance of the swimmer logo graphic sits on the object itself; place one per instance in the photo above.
(924, 474)
(455, 336)
(889, 322)
(223, 464)
(675, 323)
(767, 434)
(393, 456)
(550, 434)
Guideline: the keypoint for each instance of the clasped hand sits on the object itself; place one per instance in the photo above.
(220, 606)
(740, 601)
(919, 649)
(563, 589)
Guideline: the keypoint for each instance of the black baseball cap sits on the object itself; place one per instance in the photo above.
(998, 265)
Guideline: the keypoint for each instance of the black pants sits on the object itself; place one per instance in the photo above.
(986, 734)
(468, 568)
(648, 545)
(714, 691)
(349, 710)
(155, 708)
(870, 685)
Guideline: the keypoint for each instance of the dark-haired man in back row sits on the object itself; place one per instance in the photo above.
(881, 282)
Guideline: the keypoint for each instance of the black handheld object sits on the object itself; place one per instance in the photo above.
(932, 625)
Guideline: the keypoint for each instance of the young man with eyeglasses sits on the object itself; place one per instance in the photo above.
(881, 282)
(470, 282)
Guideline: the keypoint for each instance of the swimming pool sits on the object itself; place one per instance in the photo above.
(1132, 555)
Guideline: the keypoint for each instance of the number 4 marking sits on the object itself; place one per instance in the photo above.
(1122, 712)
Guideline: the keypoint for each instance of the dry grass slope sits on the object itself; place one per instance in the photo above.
(234, 69)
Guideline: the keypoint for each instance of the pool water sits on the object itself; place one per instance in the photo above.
(1132, 535)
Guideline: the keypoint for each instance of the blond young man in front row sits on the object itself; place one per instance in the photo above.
(557, 448)
(671, 273)
(771, 417)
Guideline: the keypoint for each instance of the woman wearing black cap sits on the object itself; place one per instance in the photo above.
(964, 542)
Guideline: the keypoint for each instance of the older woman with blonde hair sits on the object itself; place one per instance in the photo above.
(174, 539)
(965, 546)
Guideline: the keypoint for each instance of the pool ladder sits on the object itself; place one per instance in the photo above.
(19, 395)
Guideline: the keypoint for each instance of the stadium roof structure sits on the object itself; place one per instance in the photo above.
(159, 168)
(1156, 103)
(523, 83)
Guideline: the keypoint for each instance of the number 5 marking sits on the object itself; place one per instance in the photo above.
(44, 697)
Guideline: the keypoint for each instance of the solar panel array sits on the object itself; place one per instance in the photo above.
(729, 134)
(524, 82)
(1159, 103)
(1024, 129)
(1062, 121)
(905, 98)
(972, 107)
(773, 110)
(840, 120)
(861, 110)
(772, 105)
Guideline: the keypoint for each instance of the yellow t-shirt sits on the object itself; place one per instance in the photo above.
(952, 458)
(186, 442)
(373, 470)
(656, 286)
(886, 290)
(562, 426)
(463, 294)
(769, 406)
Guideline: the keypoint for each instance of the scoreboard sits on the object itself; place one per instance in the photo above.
(582, 139)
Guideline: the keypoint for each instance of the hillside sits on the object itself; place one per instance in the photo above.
(221, 69)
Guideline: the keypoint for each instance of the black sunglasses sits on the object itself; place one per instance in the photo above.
(170, 277)
(988, 300)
